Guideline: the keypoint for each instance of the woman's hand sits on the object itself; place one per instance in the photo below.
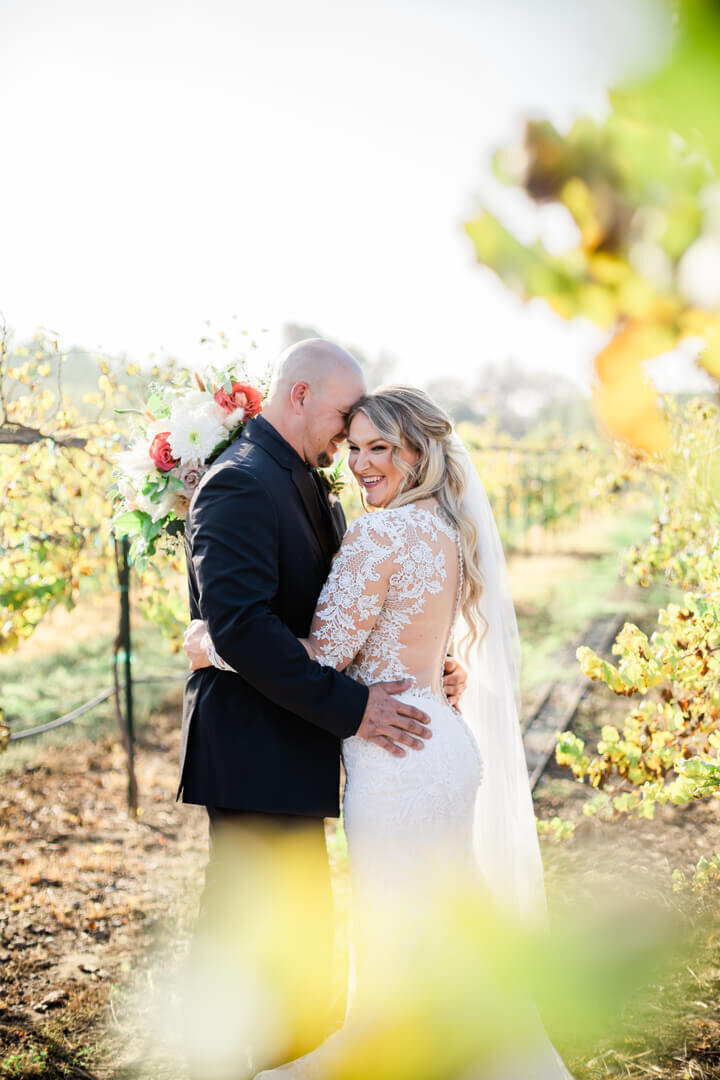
(195, 641)
(454, 680)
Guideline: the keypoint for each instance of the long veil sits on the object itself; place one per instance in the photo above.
(505, 834)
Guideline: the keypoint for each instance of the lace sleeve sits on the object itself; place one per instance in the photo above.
(215, 660)
(353, 595)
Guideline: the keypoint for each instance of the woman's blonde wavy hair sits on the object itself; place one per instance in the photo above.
(406, 417)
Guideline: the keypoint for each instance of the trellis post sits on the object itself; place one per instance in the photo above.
(125, 644)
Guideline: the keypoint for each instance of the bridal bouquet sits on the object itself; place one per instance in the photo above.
(181, 432)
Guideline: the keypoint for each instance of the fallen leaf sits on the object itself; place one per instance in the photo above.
(54, 1000)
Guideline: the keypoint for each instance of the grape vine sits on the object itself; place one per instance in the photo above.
(60, 438)
(668, 748)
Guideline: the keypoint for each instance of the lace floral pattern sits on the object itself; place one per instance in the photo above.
(388, 566)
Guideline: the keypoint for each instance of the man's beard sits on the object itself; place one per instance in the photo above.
(324, 460)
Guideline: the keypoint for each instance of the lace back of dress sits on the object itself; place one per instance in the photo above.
(390, 603)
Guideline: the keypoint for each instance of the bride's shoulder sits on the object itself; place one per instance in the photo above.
(380, 524)
(380, 530)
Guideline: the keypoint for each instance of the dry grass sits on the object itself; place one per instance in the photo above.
(86, 893)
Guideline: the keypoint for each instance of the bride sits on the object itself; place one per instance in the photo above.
(408, 581)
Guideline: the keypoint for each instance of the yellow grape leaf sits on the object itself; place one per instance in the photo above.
(625, 398)
(600, 671)
(598, 304)
(608, 269)
(579, 200)
(628, 410)
(635, 342)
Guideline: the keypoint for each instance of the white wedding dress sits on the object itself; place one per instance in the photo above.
(386, 612)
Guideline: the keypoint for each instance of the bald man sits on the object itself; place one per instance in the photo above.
(261, 744)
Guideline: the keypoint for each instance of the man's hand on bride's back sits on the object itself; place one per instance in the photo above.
(388, 722)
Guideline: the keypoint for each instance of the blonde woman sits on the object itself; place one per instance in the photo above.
(422, 566)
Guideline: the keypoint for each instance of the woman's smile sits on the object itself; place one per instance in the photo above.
(372, 464)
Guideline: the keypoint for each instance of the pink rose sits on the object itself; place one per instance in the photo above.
(242, 396)
(190, 475)
(161, 453)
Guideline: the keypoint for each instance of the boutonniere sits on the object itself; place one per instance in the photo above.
(334, 480)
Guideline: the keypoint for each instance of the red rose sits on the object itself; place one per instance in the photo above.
(161, 453)
(242, 396)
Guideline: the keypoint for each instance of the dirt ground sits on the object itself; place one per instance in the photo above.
(96, 908)
(88, 895)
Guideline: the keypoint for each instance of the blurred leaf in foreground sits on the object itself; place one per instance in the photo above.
(641, 188)
(449, 983)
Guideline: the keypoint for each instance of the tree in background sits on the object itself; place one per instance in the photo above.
(513, 400)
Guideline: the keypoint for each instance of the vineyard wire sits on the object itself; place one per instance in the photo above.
(91, 704)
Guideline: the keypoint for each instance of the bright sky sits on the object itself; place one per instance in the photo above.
(169, 162)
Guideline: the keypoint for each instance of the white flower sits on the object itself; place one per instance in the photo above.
(158, 509)
(231, 420)
(135, 464)
(197, 403)
(156, 427)
(190, 400)
(128, 493)
(195, 426)
(193, 436)
(215, 411)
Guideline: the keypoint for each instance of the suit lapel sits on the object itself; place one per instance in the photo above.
(264, 434)
(305, 485)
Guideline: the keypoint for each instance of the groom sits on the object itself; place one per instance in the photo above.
(261, 745)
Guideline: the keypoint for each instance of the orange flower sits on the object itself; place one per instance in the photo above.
(242, 396)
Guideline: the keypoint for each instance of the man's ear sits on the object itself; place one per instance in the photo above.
(298, 394)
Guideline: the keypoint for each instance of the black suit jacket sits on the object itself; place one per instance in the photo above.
(259, 542)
